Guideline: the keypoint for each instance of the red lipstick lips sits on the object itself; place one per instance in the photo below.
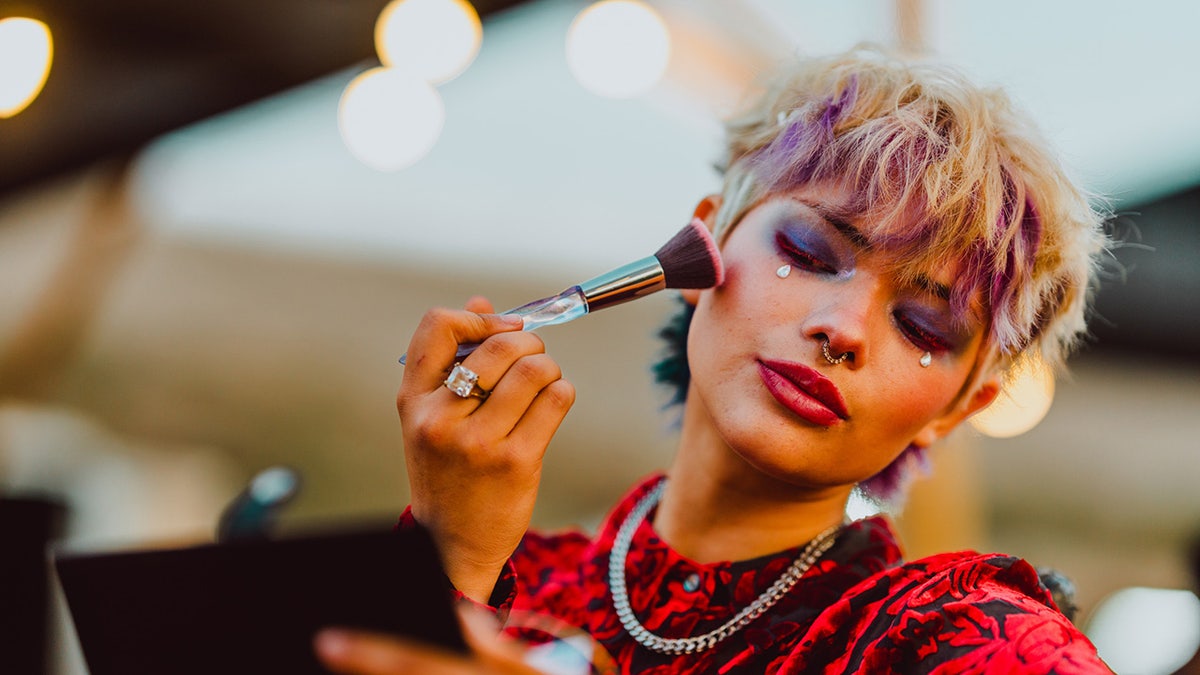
(804, 391)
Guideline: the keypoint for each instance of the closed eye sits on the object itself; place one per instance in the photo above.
(800, 257)
(920, 337)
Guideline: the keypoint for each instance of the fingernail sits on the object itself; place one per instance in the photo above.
(332, 644)
(512, 319)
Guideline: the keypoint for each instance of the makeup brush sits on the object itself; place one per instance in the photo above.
(689, 260)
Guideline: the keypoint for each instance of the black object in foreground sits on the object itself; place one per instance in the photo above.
(253, 606)
(26, 525)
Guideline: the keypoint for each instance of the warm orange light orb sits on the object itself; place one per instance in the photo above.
(1021, 406)
(435, 39)
(26, 52)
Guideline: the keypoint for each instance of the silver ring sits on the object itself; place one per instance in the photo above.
(463, 382)
(829, 357)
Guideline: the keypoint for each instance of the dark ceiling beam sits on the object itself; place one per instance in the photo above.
(128, 71)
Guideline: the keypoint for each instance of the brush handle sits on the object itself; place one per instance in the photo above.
(566, 306)
(628, 282)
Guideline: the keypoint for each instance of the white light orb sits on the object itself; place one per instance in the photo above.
(436, 39)
(26, 51)
(1022, 404)
(389, 118)
(1146, 630)
(618, 48)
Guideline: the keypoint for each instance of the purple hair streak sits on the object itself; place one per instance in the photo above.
(794, 157)
(911, 197)
(949, 179)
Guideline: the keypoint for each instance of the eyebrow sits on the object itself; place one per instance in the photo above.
(932, 287)
(839, 219)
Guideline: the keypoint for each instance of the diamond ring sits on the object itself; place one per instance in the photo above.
(463, 382)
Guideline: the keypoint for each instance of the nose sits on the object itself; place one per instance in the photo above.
(840, 323)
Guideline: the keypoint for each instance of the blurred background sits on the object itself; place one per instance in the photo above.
(220, 223)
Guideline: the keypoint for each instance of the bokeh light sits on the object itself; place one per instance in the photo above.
(618, 48)
(390, 118)
(1146, 630)
(26, 52)
(1022, 404)
(435, 39)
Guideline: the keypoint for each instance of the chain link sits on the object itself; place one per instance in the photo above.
(620, 593)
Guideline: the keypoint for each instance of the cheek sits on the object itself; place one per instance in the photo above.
(724, 328)
(751, 290)
(911, 403)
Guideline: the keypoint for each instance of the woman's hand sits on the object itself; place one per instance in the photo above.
(474, 465)
(358, 653)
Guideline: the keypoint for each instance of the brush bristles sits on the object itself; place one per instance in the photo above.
(691, 259)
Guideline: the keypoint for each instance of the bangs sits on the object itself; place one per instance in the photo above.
(949, 182)
(931, 188)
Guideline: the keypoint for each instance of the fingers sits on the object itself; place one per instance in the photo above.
(436, 340)
(370, 654)
(525, 387)
(482, 633)
(514, 396)
(544, 415)
(478, 625)
(360, 653)
(500, 354)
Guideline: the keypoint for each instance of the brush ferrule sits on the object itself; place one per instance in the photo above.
(628, 282)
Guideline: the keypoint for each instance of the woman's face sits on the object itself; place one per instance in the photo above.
(755, 347)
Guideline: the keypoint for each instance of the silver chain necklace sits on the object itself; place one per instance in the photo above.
(620, 594)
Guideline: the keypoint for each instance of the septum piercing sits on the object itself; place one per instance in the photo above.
(926, 358)
(829, 357)
(783, 271)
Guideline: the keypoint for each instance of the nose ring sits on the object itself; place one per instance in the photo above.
(833, 361)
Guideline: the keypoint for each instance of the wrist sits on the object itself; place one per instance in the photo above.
(477, 583)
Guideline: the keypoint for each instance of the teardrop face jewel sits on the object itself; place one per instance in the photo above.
(783, 271)
(926, 359)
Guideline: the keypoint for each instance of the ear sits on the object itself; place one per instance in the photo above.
(977, 399)
(706, 211)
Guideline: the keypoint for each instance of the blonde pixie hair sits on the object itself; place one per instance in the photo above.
(944, 173)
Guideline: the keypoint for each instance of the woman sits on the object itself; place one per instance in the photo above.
(893, 239)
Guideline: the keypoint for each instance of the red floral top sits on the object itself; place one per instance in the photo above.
(860, 608)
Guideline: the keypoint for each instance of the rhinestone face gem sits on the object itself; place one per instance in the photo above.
(461, 380)
(926, 359)
(783, 271)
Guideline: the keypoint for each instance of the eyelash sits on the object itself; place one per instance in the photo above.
(920, 337)
(801, 257)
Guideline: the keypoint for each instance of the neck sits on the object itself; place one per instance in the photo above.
(718, 507)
